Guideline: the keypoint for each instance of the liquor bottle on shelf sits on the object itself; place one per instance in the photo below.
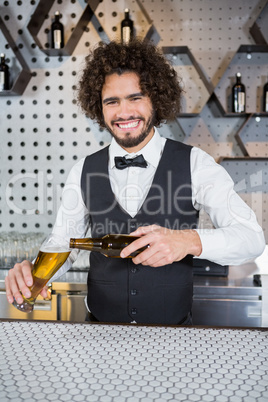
(57, 32)
(4, 74)
(110, 245)
(127, 29)
(239, 96)
(265, 98)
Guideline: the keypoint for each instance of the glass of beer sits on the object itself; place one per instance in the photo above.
(53, 253)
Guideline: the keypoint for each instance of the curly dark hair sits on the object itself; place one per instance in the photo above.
(158, 79)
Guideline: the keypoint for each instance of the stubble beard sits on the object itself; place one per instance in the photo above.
(128, 141)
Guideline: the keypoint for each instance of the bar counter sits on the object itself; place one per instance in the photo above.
(62, 361)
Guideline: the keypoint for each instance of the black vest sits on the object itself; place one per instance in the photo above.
(119, 290)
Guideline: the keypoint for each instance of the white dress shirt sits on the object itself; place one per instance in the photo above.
(236, 236)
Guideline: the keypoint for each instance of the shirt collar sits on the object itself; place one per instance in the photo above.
(151, 151)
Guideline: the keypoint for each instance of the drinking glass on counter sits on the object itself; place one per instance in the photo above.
(53, 253)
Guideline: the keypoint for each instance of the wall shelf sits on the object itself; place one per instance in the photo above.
(198, 88)
(22, 79)
(250, 176)
(253, 135)
(259, 29)
(41, 12)
(251, 62)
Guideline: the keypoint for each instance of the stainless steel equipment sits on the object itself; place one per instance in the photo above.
(71, 290)
(218, 304)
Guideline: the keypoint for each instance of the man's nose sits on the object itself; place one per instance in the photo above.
(124, 109)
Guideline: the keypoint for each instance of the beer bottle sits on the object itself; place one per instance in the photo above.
(57, 32)
(126, 28)
(4, 74)
(110, 245)
(239, 95)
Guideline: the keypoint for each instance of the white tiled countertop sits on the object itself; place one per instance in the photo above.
(52, 361)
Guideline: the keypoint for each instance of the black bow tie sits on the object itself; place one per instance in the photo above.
(121, 162)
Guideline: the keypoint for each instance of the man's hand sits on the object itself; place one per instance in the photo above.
(166, 245)
(18, 281)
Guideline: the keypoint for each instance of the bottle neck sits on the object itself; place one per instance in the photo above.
(238, 79)
(57, 17)
(90, 244)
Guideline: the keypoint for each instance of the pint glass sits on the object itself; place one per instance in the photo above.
(53, 253)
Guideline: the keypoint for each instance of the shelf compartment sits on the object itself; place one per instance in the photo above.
(41, 13)
(250, 176)
(20, 82)
(194, 82)
(251, 62)
(111, 14)
(253, 136)
(259, 29)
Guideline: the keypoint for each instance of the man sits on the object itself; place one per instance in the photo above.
(130, 90)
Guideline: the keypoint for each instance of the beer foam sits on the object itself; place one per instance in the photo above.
(54, 249)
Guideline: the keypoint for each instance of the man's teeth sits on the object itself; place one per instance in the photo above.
(129, 125)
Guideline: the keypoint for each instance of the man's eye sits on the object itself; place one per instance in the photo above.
(136, 98)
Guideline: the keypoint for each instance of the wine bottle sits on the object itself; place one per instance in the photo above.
(265, 98)
(239, 95)
(57, 33)
(126, 28)
(110, 245)
(4, 74)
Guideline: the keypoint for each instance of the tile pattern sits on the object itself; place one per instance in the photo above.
(54, 361)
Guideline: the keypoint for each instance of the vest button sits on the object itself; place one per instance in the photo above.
(133, 292)
(133, 311)
(133, 270)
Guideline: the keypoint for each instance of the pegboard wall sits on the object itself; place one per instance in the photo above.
(43, 133)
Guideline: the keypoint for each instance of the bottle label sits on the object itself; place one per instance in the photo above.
(241, 102)
(57, 38)
(126, 34)
(2, 81)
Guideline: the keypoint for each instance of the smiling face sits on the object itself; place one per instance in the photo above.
(127, 112)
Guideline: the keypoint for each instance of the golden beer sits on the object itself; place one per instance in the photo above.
(52, 255)
(46, 265)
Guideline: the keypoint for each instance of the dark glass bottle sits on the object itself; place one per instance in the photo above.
(57, 33)
(239, 96)
(127, 28)
(4, 74)
(265, 98)
(110, 245)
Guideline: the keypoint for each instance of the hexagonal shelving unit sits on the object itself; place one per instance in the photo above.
(41, 13)
(198, 89)
(251, 62)
(149, 32)
(259, 29)
(110, 14)
(21, 80)
(250, 177)
(253, 136)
